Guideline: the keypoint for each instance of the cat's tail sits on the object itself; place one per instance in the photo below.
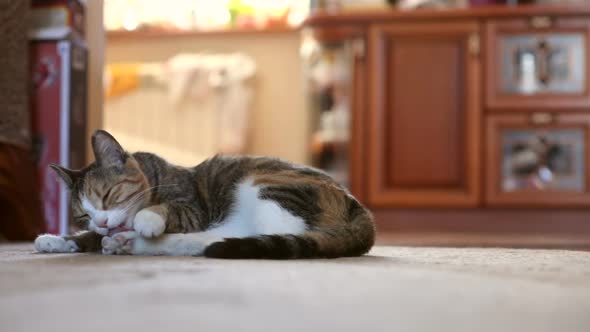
(354, 237)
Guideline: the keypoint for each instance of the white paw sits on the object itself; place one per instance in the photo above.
(52, 243)
(98, 230)
(149, 224)
(119, 244)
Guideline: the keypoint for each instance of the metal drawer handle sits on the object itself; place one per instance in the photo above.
(544, 55)
(541, 22)
(541, 118)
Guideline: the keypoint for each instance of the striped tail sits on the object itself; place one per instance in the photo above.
(352, 238)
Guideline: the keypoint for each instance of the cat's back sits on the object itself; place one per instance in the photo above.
(235, 168)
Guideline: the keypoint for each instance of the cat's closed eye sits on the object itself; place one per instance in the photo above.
(119, 193)
(116, 195)
(105, 198)
(82, 217)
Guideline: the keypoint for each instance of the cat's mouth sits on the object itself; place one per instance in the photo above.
(111, 231)
(118, 229)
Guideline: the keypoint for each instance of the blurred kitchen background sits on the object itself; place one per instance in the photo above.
(457, 122)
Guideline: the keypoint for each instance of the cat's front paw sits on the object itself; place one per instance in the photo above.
(118, 244)
(149, 224)
(55, 244)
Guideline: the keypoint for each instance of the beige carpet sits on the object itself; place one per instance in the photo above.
(393, 289)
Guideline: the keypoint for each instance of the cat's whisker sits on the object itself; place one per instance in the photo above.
(137, 197)
(146, 191)
(142, 194)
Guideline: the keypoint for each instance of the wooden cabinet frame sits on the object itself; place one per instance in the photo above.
(496, 197)
(358, 102)
(467, 193)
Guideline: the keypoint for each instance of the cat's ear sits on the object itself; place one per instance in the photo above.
(107, 151)
(68, 175)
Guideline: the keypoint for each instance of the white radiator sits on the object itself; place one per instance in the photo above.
(185, 110)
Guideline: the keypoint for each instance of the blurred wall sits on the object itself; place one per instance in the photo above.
(279, 118)
(95, 40)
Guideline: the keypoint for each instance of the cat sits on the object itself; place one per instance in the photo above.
(225, 207)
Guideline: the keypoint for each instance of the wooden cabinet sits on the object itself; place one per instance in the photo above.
(469, 120)
(424, 114)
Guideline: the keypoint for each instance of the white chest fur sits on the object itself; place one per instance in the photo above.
(254, 216)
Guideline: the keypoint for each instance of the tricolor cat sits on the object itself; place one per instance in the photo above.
(225, 207)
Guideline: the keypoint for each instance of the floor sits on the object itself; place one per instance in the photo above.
(579, 241)
(392, 289)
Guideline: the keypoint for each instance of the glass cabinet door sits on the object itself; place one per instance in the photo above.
(543, 159)
(542, 63)
(327, 68)
(537, 63)
(538, 159)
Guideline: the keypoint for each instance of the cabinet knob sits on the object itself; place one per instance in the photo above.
(473, 44)
(541, 22)
(358, 48)
(541, 118)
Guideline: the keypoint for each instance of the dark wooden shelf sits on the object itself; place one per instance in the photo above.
(322, 19)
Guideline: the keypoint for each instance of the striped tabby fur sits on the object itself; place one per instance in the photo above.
(119, 187)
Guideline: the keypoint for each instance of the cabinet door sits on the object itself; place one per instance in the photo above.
(424, 115)
(539, 159)
(537, 63)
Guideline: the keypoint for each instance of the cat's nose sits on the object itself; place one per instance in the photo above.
(102, 222)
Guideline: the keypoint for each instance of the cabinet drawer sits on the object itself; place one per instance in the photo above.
(538, 159)
(539, 62)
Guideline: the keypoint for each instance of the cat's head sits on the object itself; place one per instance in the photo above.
(108, 193)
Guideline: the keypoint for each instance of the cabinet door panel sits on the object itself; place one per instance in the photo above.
(538, 160)
(409, 168)
(532, 67)
(424, 115)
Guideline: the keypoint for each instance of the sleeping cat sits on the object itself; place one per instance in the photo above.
(226, 207)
